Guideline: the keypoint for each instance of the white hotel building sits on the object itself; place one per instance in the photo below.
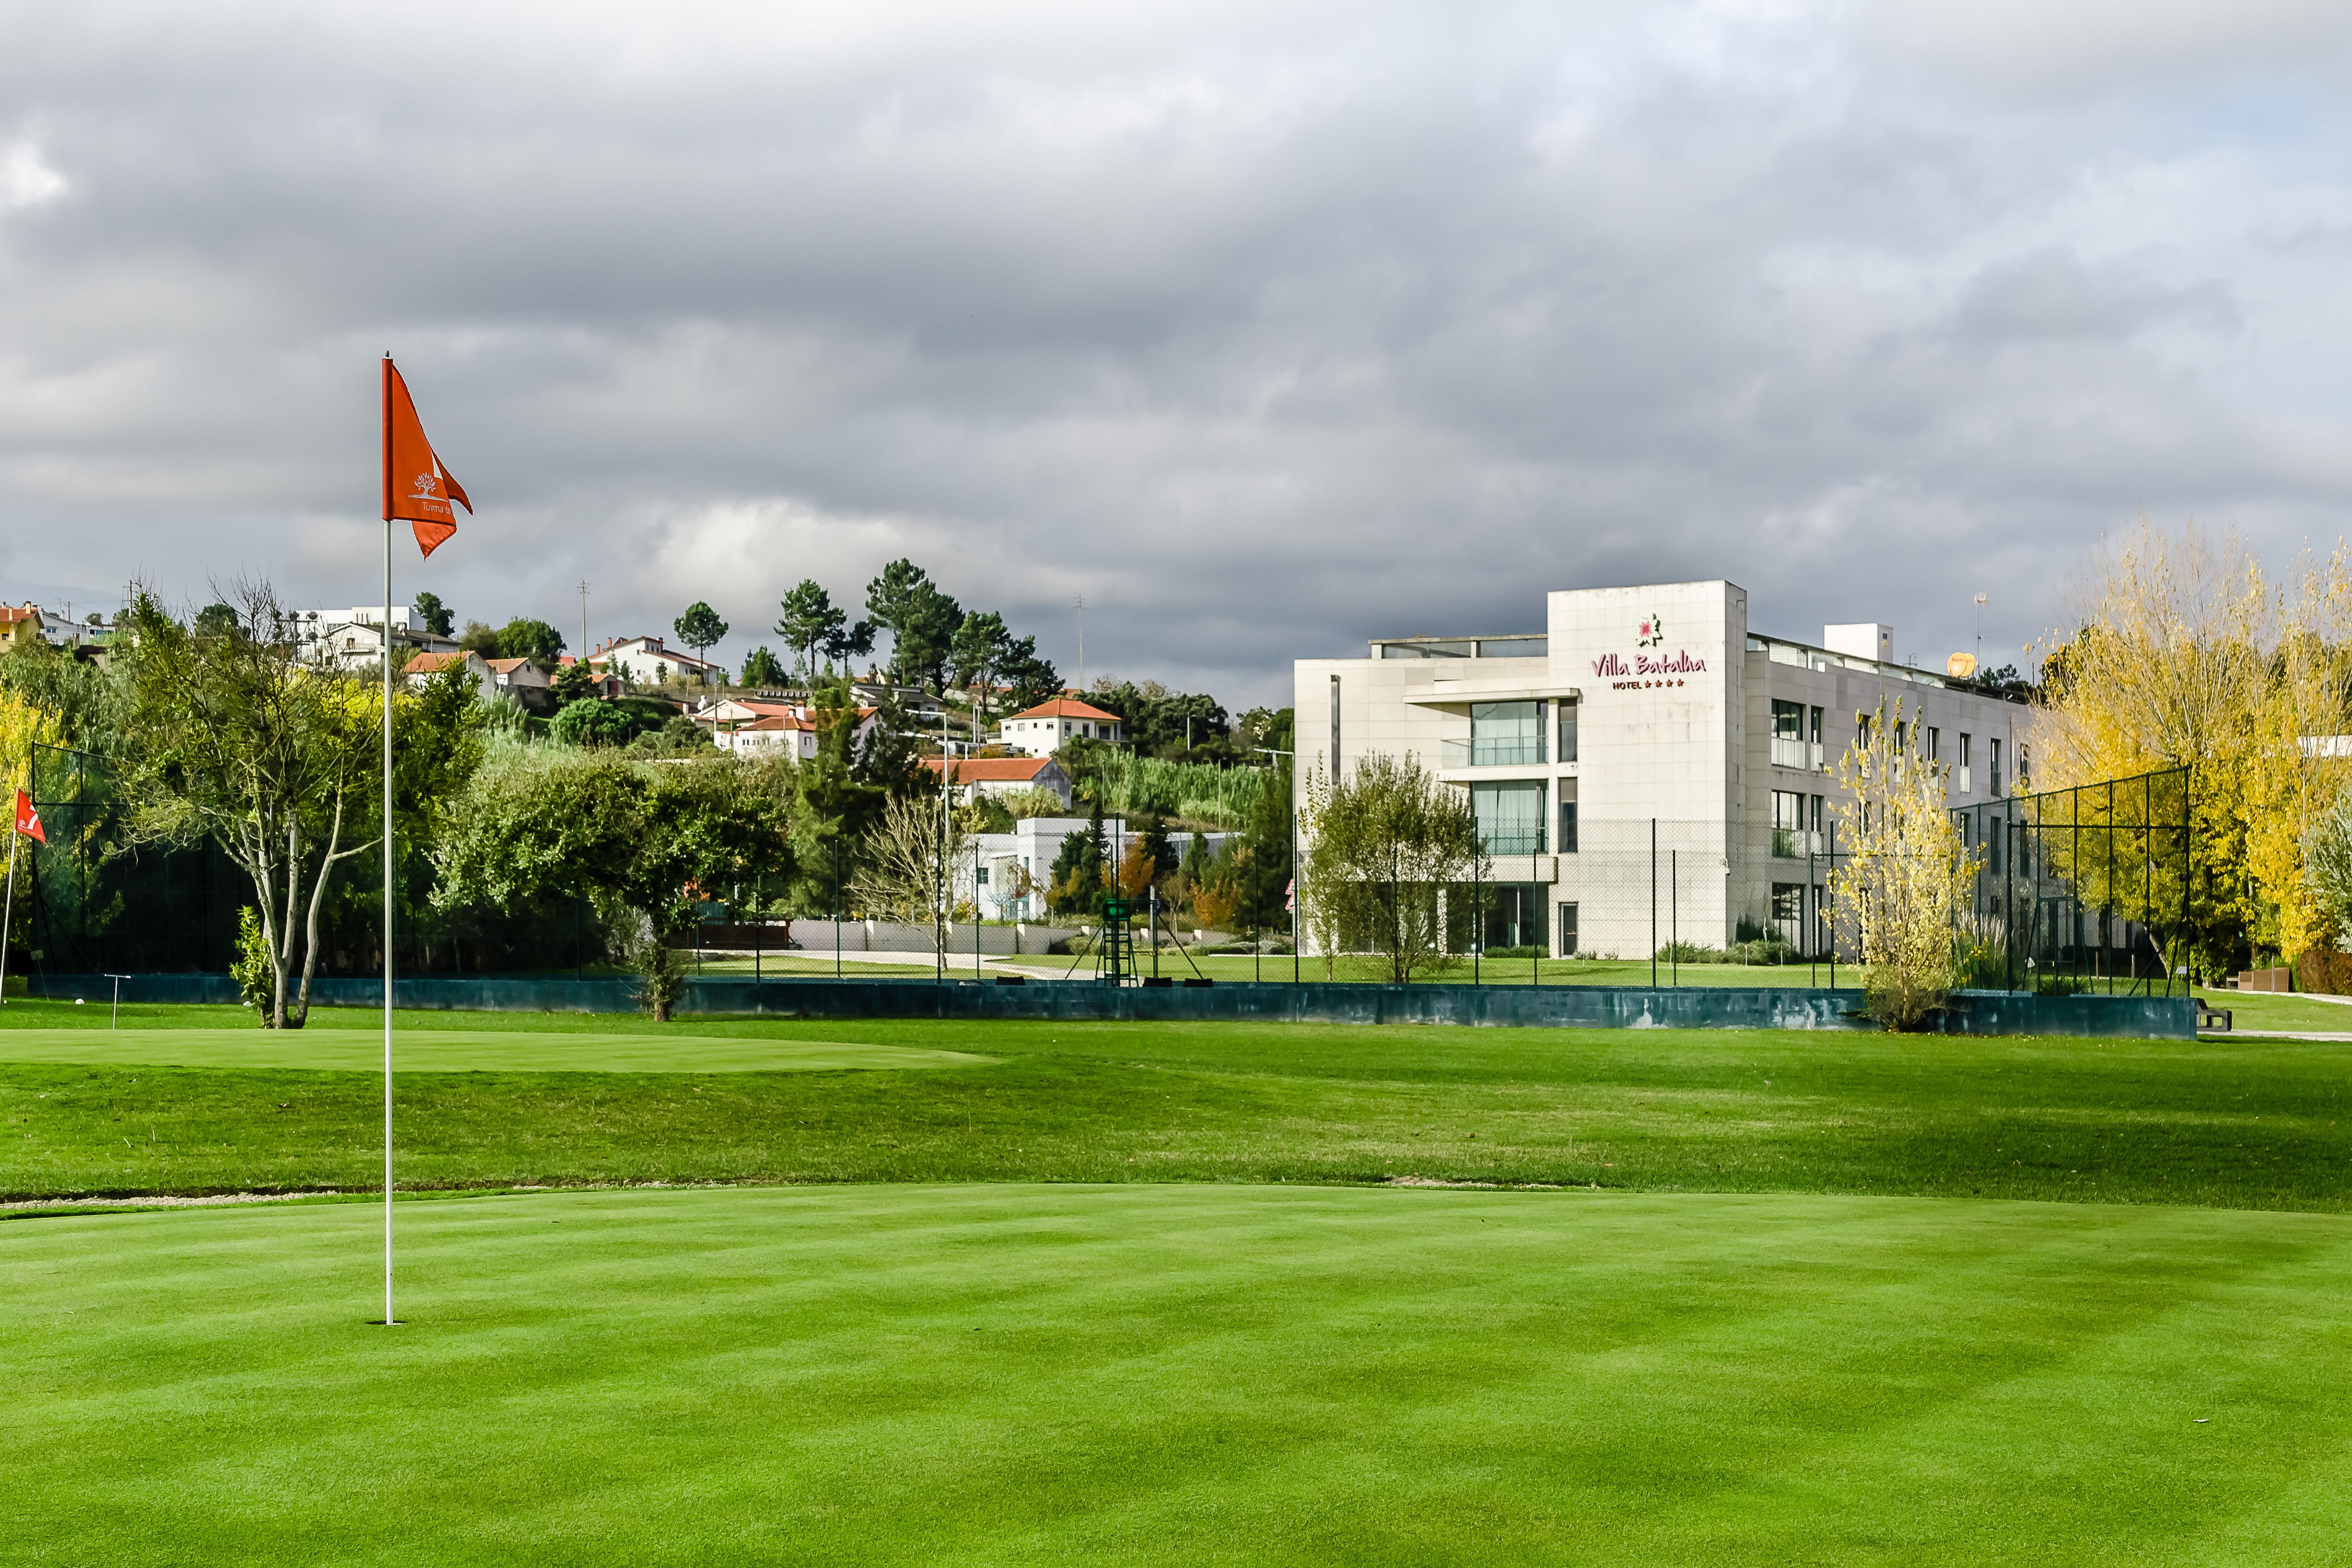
(1642, 711)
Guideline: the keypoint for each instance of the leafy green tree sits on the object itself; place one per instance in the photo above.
(1385, 845)
(231, 739)
(761, 668)
(592, 722)
(855, 641)
(1264, 857)
(534, 640)
(921, 620)
(888, 758)
(433, 614)
(834, 805)
(977, 649)
(634, 840)
(482, 638)
(1076, 883)
(573, 682)
(217, 620)
(1032, 680)
(809, 625)
(699, 629)
(1158, 722)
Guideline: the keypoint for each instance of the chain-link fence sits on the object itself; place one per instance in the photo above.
(2081, 889)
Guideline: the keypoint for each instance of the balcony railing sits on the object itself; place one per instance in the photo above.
(1790, 752)
(1508, 751)
(1795, 843)
(1515, 843)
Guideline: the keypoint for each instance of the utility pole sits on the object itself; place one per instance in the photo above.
(583, 620)
(1079, 604)
(1981, 604)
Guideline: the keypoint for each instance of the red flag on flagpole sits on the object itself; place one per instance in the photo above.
(417, 486)
(28, 821)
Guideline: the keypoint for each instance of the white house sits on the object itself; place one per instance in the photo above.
(1052, 724)
(760, 728)
(353, 639)
(518, 675)
(1012, 871)
(1645, 763)
(648, 661)
(973, 776)
(424, 666)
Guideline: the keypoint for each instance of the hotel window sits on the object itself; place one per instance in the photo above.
(1567, 930)
(1788, 734)
(2024, 768)
(1568, 709)
(1505, 734)
(1796, 824)
(1567, 828)
(1933, 750)
(1967, 748)
(1788, 911)
(1510, 816)
(1816, 759)
(1992, 764)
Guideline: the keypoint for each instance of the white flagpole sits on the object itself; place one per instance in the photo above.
(388, 1319)
(8, 913)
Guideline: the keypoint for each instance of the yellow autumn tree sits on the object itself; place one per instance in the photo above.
(1905, 882)
(2184, 653)
(23, 726)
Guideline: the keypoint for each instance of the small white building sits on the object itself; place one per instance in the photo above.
(422, 667)
(518, 675)
(1014, 871)
(971, 777)
(1046, 729)
(648, 661)
(353, 639)
(760, 729)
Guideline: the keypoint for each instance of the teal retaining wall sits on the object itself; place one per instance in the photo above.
(1315, 1002)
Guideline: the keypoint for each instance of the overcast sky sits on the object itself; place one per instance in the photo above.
(1266, 327)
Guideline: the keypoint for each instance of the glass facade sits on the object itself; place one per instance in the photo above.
(1505, 734)
(1568, 731)
(1510, 816)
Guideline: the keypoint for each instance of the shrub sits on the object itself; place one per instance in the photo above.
(251, 968)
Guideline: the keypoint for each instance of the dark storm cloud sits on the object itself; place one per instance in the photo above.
(1265, 330)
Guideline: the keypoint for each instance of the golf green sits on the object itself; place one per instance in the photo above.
(1270, 1375)
(462, 1050)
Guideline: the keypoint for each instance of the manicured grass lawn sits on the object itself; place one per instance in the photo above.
(2228, 1122)
(436, 1051)
(1015, 1375)
(2268, 1010)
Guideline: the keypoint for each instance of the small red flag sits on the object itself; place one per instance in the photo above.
(28, 821)
(417, 486)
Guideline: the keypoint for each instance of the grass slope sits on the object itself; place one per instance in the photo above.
(2236, 1123)
(1007, 1376)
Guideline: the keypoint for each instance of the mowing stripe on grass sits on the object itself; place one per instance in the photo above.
(1212, 1374)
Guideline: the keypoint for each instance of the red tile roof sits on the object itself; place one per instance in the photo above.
(994, 770)
(1068, 708)
(433, 663)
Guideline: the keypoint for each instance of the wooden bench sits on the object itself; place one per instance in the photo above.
(2211, 1017)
